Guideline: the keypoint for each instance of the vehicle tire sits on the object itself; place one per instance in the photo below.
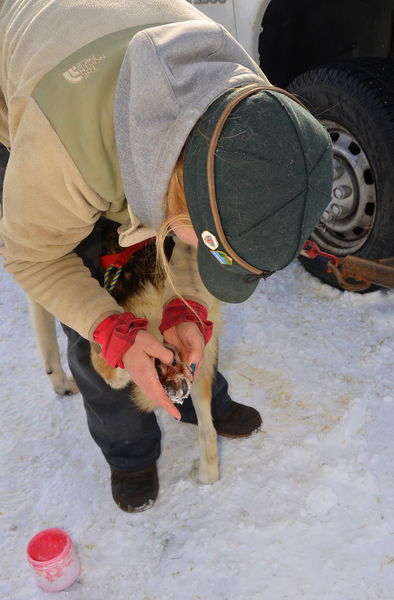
(354, 99)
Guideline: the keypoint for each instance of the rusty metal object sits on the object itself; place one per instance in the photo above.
(361, 271)
(364, 272)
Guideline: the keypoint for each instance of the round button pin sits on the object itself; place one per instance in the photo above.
(209, 240)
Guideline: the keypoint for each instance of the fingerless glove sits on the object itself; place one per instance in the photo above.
(116, 334)
(177, 311)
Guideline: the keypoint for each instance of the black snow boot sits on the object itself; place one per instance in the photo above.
(237, 421)
(135, 491)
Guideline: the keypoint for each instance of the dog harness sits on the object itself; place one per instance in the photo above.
(115, 262)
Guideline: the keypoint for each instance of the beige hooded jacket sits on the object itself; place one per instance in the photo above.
(65, 67)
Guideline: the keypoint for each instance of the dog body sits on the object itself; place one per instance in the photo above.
(139, 289)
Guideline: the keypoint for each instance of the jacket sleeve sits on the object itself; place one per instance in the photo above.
(186, 278)
(48, 211)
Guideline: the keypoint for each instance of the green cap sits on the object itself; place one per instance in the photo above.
(257, 177)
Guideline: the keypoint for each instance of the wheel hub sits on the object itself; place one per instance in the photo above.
(347, 221)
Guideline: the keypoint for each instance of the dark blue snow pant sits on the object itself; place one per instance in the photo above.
(128, 438)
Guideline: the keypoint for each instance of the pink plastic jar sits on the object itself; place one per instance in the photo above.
(53, 558)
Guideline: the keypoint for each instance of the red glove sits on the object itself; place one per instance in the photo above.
(177, 311)
(116, 334)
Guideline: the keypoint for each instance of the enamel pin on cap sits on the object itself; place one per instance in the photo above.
(209, 240)
(222, 257)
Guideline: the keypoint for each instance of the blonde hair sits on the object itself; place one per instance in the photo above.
(175, 213)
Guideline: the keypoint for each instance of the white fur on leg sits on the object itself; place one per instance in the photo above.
(45, 331)
(206, 469)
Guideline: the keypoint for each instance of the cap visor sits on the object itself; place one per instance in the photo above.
(225, 282)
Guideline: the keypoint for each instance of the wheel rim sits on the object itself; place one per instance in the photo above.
(347, 222)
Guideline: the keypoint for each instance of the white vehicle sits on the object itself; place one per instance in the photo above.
(337, 56)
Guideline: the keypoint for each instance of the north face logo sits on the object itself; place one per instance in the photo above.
(83, 69)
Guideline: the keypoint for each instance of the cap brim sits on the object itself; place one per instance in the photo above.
(225, 282)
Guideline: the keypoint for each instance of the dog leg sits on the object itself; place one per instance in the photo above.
(45, 331)
(206, 469)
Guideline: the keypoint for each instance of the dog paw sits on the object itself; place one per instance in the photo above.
(176, 378)
(206, 475)
(64, 385)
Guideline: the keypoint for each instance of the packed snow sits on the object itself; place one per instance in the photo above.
(303, 510)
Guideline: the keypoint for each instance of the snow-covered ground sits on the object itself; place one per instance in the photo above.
(304, 510)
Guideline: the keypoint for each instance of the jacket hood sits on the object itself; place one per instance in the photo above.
(169, 76)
